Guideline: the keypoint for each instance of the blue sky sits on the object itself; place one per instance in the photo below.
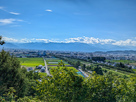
(86, 21)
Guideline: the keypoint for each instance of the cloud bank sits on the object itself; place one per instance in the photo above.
(87, 40)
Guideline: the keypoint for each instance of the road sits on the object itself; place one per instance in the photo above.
(46, 67)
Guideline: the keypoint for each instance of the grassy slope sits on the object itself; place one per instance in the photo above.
(31, 62)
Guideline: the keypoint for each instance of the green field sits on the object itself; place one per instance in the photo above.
(31, 62)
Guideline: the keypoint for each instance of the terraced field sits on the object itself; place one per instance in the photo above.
(31, 62)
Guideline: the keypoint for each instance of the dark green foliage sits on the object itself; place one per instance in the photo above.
(77, 64)
(120, 65)
(65, 86)
(83, 67)
(11, 75)
(98, 59)
(98, 70)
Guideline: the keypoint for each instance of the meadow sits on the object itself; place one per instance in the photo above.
(31, 62)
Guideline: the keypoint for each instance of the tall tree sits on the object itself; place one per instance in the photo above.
(11, 75)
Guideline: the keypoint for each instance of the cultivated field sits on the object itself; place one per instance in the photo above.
(54, 65)
(31, 62)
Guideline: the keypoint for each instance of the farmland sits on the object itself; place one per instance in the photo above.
(52, 63)
(31, 62)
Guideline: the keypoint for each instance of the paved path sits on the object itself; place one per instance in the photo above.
(46, 67)
(83, 73)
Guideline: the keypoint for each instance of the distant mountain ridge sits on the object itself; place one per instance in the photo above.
(82, 47)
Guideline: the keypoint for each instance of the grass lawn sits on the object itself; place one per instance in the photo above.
(31, 62)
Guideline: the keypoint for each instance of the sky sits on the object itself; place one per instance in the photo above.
(86, 21)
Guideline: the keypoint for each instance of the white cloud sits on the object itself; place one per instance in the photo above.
(128, 42)
(14, 13)
(6, 39)
(48, 10)
(9, 21)
(25, 40)
(88, 40)
(12, 40)
(92, 40)
(43, 40)
(1, 8)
